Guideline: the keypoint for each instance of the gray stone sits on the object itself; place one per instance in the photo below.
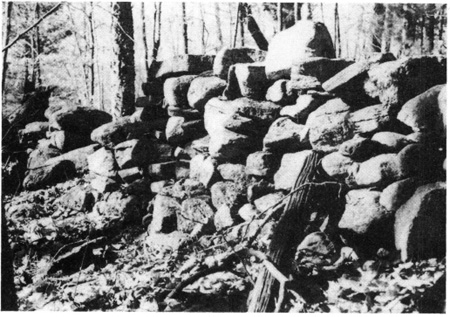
(161, 171)
(204, 88)
(396, 82)
(303, 83)
(391, 141)
(230, 56)
(181, 131)
(186, 188)
(102, 163)
(286, 136)
(422, 113)
(67, 141)
(420, 224)
(370, 119)
(248, 212)
(196, 216)
(247, 80)
(176, 89)
(227, 193)
(360, 148)
(78, 157)
(76, 199)
(362, 211)
(336, 165)
(156, 187)
(233, 172)
(305, 104)
(48, 175)
(265, 202)
(320, 67)
(230, 146)
(40, 156)
(279, 94)
(189, 114)
(204, 170)
(33, 132)
(129, 175)
(166, 242)
(396, 194)
(380, 170)
(79, 120)
(165, 210)
(291, 165)
(258, 189)
(329, 126)
(103, 184)
(262, 164)
(224, 218)
(442, 102)
(303, 40)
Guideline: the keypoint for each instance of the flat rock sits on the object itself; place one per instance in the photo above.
(321, 68)
(303, 40)
(291, 165)
(370, 119)
(204, 88)
(396, 82)
(78, 157)
(129, 175)
(285, 136)
(329, 126)
(362, 211)
(230, 56)
(79, 120)
(420, 224)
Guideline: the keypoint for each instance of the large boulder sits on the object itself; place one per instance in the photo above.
(230, 56)
(337, 165)
(181, 65)
(32, 109)
(329, 126)
(396, 82)
(204, 88)
(68, 141)
(286, 136)
(391, 141)
(123, 129)
(231, 146)
(247, 80)
(78, 157)
(303, 40)
(422, 113)
(79, 120)
(204, 170)
(362, 211)
(40, 156)
(396, 194)
(361, 149)
(176, 89)
(319, 67)
(291, 165)
(420, 224)
(380, 170)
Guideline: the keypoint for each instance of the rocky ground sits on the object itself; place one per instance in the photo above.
(175, 208)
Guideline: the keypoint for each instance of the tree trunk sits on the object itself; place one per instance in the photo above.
(156, 30)
(387, 29)
(203, 27)
(262, 296)
(38, 48)
(144, 40)
(422, 34)
(409, 30)
(5, 43)
(430, 22)
(442, 18)
(236, 26)
(92, 50)
(241, 25)
(379, 10)
(255, 32)
(309, 15)
(218, 24)
(279, 17)
(123, 96)
(185, 28)
(337, 32)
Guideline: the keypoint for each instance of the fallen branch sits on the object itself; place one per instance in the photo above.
(18, 37)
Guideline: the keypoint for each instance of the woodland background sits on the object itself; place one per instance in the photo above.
(74, 47)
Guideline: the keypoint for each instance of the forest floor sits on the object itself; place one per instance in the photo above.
(122, 273)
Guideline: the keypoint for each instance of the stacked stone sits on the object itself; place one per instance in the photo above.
(379, 123)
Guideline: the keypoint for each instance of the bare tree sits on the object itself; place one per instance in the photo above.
(144, 39)
(185, 28)
(92, 49)
(5, 43)
(218, 23)
(156, 29)
(379, 14)
(337, 31)
(37, 48)
(387, 29)
(123, 96)
(430, 23)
